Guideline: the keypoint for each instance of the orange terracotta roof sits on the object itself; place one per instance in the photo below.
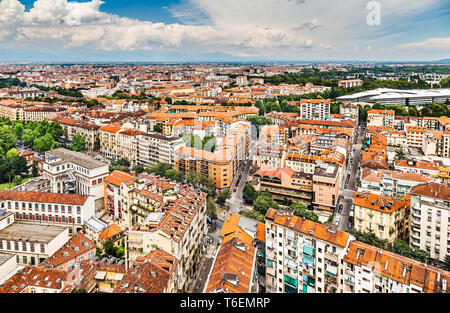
(320, 231)
(117, 177)
(42, 197)
(111, 231)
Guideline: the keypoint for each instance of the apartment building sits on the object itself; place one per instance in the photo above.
(220, 166)
(349, 111)
(326, 185)
(179, 229)
(350, 83)
(303, 256)
(89, 131)
(390, 183)
(38, 113)
(62, 210)
(108, 141)
(127, 142)
(386, 217)
(315, 109)
(425, 168)
(153, 148)
(380, 118)
(285, 184)
(115, 191)
(30, 243)
(430, 219)
(75, 173)
(368, 269)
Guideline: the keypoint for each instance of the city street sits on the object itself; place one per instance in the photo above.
(347, 194)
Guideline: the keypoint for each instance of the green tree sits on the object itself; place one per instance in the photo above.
(263, 202)
(301, 210)
(12, 153)
(18, 130)
(34, 169)
(400, 154)
(223, 196)
(173, 175)
(447, 262)
(44, 143)
(253, 215)
(249, 194)
(7, 139)
(29, 136)
(157, 128)
(159, 169)
(79, 143)
(17, 180)
(211, 208)
(138, 169)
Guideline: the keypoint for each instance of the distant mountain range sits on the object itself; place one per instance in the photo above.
(446, 61)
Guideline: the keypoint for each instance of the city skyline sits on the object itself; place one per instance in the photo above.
(230, 31)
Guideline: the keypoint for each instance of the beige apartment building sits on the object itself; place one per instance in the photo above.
(386, 217)
(178, 229)
(326, 185)
(380, 118)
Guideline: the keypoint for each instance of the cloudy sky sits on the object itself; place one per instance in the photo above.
(224, 30)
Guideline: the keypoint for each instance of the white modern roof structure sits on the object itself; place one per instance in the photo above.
(396, 96)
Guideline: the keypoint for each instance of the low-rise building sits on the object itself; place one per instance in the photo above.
(68, 211)
(30, 243)
(79, 248)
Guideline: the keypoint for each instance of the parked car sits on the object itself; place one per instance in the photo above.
(234, 190)
(209, 239)
(341, 207)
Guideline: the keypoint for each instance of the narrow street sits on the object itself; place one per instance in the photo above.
(347, 194)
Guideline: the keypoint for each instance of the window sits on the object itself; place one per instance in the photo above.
(24, 260)
(78, 210)
(69, 209)
(24, 246)
(78, 220)
(56, 208)
(63, 209)
(42, 248)
(16, 246)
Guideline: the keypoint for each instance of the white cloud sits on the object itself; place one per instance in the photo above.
(429, 44)
(258, 28)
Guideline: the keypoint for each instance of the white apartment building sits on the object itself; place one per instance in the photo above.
(315, 109)
(75, 173)
(430, 219)
(303, 256)
(153, 148)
